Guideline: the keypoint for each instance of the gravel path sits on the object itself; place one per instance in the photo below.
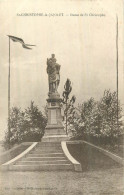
(102, 182)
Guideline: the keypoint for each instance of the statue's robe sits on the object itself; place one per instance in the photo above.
(53, 72)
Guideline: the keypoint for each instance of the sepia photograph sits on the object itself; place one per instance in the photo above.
(62, 97)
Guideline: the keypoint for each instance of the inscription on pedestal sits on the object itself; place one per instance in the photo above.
(53, 104)
(53, 117)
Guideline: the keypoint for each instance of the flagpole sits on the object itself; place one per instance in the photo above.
(117, 75)
(117, 66)
(15, 39)
(9, 96)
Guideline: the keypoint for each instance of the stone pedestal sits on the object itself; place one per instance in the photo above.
(54, 129)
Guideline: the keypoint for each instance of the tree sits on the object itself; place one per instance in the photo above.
(16, 118)
(88, 116)
(35, 122)
(110, 127)
(28, 125)
(98, 119)
(68, 104)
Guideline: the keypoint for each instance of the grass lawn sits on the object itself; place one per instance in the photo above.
(107, 182)
(119, 150)
(10, 155)
(90, 158)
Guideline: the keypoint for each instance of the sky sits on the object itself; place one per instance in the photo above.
(84, 46)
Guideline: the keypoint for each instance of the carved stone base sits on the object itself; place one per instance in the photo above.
(54, 129)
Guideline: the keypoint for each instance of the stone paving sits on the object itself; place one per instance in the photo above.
(100, 182)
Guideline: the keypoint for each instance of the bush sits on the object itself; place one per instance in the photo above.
(98, 119)
(28, 125)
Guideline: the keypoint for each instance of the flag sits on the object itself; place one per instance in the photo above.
(16, 39)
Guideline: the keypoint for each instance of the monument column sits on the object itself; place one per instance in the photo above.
(54, 130)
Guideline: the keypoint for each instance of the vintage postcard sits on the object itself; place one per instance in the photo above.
(62, 97)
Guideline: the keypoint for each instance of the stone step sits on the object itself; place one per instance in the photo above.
(42, 162)
(40, 144)
(45, 151)
(48, 144)
(48, 150)
(47, 147)
(54, 138)
(42, 158)
(46, 154)
(45, 167)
